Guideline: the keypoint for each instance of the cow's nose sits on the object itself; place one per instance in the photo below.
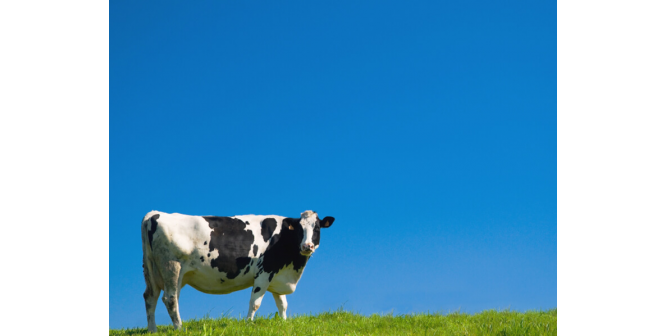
(308, 246)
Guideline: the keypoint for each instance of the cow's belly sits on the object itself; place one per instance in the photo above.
(208, 280)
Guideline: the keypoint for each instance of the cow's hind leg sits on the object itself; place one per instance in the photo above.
(151, 295)
(172, 280)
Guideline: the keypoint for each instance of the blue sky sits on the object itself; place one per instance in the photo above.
(428, 130)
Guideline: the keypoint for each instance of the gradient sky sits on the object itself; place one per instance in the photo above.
(427, 129)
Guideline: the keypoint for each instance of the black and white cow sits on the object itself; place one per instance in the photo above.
(220, 255)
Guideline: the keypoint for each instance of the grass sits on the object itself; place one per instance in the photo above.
(490, 322)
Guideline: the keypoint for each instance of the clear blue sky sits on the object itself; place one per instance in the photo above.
(427, 129)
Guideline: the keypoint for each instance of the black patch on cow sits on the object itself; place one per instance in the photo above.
(233, 242)
(274, 239)
(271, 276)
(268, 227)
(284, 248)
(204, 243)
(257, 289)
(201, 258)
(208, 255)
(247, 269)
(222, 280)
(255, 250)
(154, 226)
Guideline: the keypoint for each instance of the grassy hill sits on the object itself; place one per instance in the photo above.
(490, 322)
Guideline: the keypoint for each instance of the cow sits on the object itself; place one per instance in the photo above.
(221, 255)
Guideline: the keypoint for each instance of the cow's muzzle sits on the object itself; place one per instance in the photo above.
(307, 249)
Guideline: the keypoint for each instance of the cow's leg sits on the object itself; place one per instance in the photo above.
(172, 278)
(151, 296)
(281, 304)
(259, 288)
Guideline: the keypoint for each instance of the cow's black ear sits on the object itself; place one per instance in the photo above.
(326, 222)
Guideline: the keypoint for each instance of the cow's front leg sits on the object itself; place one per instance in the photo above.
(259, 288)
(281, 304)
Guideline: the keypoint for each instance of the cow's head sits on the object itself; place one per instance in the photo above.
(311, 225)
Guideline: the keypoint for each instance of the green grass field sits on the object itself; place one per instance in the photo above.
(490, 322)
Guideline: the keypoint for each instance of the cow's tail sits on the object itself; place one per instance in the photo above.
(151, 273)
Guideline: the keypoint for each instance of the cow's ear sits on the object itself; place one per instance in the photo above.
(326, 222)
(289, 223)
